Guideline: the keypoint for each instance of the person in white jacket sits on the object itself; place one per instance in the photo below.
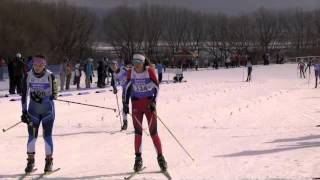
(77, 75)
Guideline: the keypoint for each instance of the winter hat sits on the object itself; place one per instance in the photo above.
(138, 59)
(18, 55)
(114, 62)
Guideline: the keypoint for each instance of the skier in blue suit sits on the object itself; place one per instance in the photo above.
(41, 86)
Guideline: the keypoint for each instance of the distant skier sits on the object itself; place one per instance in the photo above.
(119, 76)
(160, 68)
(143, 88)
(40, 84)
(309, 64)
(301, 66)
(249, 66)
(316, 73)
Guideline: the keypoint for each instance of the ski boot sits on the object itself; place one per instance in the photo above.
(138, 163)
(125, 125)
(162, 163)
(49, 164)
(30, 164)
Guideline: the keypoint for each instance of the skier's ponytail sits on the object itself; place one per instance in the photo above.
(146, 63)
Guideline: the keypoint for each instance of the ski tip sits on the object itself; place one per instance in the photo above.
(50, 172)
(3, 130)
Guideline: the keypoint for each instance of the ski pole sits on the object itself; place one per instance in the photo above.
(309, 78)
(119, 110)
(243, 73)
(136, 120)
(4, 130)
(86, 104)
(175, 138)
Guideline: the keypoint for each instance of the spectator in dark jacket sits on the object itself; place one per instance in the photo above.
(2, 64)
(101, 70)
(16, 73)
(69, 70)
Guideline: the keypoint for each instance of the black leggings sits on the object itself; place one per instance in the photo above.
(249, 73)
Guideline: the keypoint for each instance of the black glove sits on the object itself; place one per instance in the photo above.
(25, 117)
(152, 106)
(115, 91)
(52, 97)
(126, 108)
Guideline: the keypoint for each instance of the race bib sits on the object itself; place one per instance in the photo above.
(40, 89)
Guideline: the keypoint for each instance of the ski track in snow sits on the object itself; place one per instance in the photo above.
(264, 129)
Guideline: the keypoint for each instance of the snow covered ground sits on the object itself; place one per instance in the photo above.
(265, 129)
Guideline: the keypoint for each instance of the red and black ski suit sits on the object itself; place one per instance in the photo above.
(143, 89)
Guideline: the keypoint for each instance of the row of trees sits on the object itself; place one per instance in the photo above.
(154, 29)
(60, 30)
(56, 30)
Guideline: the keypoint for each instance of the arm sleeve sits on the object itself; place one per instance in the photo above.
(24, 93)
(155, 81)
(127, 92)
(113, 83)
(54, 86)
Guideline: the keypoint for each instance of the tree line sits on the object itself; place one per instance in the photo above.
(166, 30)
(63, 31)
(57, 30)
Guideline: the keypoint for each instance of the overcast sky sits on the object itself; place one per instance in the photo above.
(225, 6)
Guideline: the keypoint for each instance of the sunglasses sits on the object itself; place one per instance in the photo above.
(137, 61)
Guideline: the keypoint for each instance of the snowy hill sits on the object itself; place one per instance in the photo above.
(235, 130)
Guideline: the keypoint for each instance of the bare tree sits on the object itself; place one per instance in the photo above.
(240, 38)
(316, 21)
(57, 30)
(175, 30)
(153, 24)
(71, 33)
(124, 31)
(267, 28)
(218, 36)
